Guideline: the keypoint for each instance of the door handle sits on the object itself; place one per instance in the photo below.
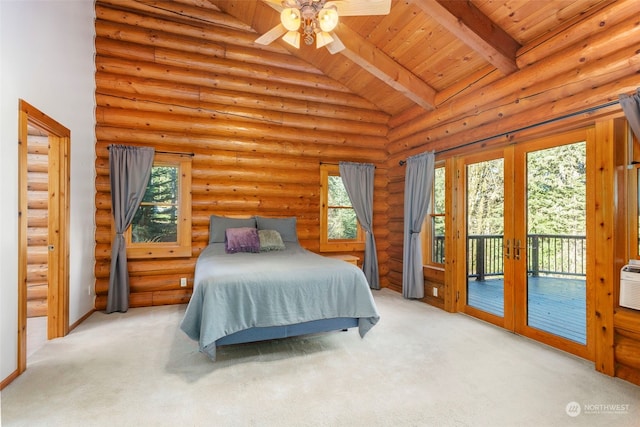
(516, 249)
(507, 249)
(51, 248)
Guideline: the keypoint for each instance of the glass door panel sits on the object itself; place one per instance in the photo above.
(485, 232)
(556, 241)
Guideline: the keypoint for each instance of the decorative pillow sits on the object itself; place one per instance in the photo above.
(270, 240)
(243, 239)
(285, 226)
(218, 226)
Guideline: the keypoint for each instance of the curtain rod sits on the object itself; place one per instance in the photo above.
(176, 152)
(159, 151)
(546, 122)
(337, 164)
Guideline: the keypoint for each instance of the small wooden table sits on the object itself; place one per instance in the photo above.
(351, 259)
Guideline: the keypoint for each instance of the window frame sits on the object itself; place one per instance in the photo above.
(334, 245)
(182, 247)
(427, 229)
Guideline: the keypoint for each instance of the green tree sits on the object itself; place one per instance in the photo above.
(485, 197)
(556, 190)
(157, 217)
(342, 221)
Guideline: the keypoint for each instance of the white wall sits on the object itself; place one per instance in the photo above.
(47, 59)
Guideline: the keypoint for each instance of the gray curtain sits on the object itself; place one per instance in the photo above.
(129, 170)
(418, 185)
(631, 107)
(358, 181)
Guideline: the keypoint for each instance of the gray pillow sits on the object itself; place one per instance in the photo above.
(285, 226)
(270, 240)
(218, 226)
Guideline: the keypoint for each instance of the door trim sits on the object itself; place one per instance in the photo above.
(58, 226)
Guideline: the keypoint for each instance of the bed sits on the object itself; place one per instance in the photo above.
(247, 290)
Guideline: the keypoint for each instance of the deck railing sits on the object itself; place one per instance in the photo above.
(563, 255)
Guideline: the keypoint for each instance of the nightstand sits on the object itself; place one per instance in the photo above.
(351, 259)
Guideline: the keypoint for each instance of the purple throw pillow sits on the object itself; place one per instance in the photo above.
(242, 239)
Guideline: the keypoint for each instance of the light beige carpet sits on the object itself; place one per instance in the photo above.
(418, 367)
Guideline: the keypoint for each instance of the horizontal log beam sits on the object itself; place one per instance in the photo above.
(257, 141)
(148, 299)
(196, 30)
(144, 88)
(148, 70)
(167, 122)
(517, 118)
(207, 111)
(179, 10)
(580, 55)
(106, 29)
(597, 21)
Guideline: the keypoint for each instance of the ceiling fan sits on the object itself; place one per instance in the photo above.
(315, 20)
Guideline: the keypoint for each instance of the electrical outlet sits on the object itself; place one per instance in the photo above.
(435, 292)
(183, 282)
(89, 290)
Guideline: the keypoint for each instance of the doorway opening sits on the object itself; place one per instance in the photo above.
(43, 271)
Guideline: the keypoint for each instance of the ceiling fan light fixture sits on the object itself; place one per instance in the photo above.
(322, 39)
(290, 19)
(316, 20)
(328, 19)
(293, 38)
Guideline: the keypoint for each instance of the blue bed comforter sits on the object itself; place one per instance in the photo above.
(234, 292)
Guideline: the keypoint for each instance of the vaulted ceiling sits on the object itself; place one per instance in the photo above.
(427, 52)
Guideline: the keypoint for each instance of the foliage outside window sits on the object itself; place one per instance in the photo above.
(161, 226)
(434, 222)
(339, 227)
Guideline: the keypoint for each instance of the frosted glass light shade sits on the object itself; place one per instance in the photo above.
(328, 19)
(290, 19)
(293, 38)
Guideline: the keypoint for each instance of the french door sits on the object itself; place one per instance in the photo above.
(523, 237)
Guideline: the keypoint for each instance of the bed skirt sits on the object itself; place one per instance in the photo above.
(275, 332)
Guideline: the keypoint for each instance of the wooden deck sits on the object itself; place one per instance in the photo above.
(556, 305)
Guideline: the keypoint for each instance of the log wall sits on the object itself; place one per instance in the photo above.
(581, 68)
(258, 121)
(627, 344)
(37, 224)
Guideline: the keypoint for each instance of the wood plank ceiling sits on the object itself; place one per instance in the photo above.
(426, 52)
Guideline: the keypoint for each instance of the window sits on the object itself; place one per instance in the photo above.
(434, 222)
(339, 227)
(162, 225)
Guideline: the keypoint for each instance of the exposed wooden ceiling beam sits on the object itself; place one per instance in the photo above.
(476, 30)
(383, 67)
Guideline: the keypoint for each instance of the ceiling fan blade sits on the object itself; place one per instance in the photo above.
(336, 45)
(361, 7)
(271, 35)
(276, 4)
